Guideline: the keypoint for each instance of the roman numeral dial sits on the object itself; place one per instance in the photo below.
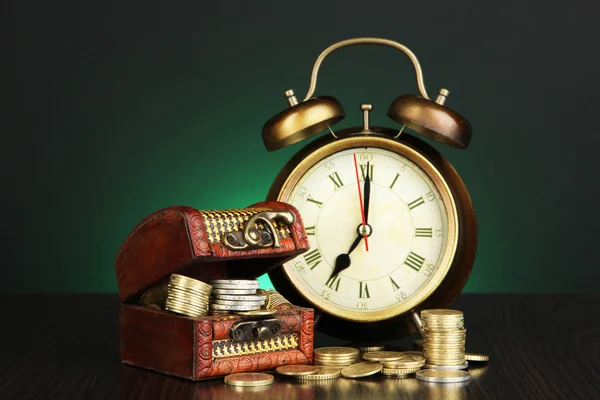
(405, 221)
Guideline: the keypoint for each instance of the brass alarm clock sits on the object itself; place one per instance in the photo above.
(391, 226)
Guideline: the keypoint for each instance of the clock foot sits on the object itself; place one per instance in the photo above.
(417, 320)
(317, 319)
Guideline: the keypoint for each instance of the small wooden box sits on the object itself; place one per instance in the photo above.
(207, 245)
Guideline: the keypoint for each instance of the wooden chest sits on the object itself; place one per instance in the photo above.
(243, 243)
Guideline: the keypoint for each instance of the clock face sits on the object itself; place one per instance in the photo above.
(410, 231)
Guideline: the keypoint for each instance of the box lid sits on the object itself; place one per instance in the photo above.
(240, 243)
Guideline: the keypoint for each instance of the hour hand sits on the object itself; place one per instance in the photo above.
(343, 260)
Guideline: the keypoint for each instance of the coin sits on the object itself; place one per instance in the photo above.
(322, 373)
(441, 312)
(361, 370)
(399, 371)
(233, 291)
(235, 302)
(249, 379)
(383, 356)
(335, 363)
(476, 357)
(413, 353)
(184, 281)
(256, 313)
(213, 306)
(249, 297)
(446, 367)
(442, 376)
(336, 351)
(364, 348)
(215, 286)
(233, 282)
(156, 295)
(297, 370)
(406, 363)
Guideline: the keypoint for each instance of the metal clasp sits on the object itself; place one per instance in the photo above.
(255, 330)
(251, 237)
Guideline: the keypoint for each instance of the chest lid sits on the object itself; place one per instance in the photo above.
(239, 244)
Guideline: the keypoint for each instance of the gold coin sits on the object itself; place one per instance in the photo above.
(184, 281)
(442, 376)
(367, 348)
(399, 371)
(361, 370)
(383, 356)
(334, 364)
(441, 312)
(446, 367)
(406, 363)
(341, 359)
(322, 373)
(297, 370)
(156, 295)
(476, 357)
(249, 379)
(413, 353)
(336, 351)
(256, 313)
(175, 304)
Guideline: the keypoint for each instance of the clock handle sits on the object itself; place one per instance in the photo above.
(417, 320)
(366, 40)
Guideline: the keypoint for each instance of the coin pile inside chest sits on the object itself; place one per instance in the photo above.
(187, 296)
(234, 295)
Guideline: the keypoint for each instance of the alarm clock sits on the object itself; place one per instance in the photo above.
(391, 226)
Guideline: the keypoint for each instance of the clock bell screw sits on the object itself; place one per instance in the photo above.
(291, 97)
(365, 109)
(441, 97)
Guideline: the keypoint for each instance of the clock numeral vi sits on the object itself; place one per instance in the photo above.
(414, 261)
(363, 291)
(313, 258)
(337, 181)
(334, 282)
(423, 232)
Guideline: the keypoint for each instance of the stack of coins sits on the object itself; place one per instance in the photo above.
(444, 337)
(234, 295)
(187, 296)
(336, 356)
(403, 367)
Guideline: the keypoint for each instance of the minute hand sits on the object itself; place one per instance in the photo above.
(367, 192)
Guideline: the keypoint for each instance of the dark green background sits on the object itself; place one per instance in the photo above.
(116, 109)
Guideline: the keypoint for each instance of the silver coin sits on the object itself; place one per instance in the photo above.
(233, 282)
(215, 286)
(233, 291)
(442, 376)
(446, 367)
(213, 306)
(236, 302)
(249, 297)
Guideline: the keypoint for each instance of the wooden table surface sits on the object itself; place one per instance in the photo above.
(541, 347)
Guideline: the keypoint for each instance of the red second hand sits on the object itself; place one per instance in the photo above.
(362, 210)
